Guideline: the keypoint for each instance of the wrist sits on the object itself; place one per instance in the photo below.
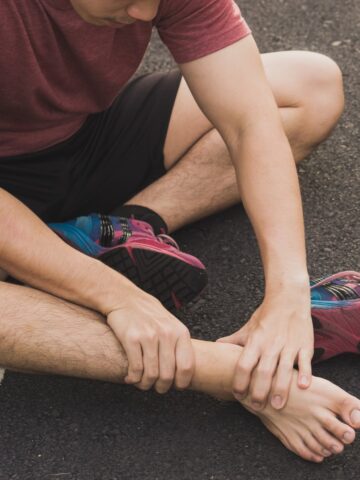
(111, 291)
(298, 283)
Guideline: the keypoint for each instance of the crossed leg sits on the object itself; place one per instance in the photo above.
(55, 336)
(42, 333)
(201, 179)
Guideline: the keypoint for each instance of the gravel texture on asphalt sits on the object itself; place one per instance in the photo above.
(69, 429)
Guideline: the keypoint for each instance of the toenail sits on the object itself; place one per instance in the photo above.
(348, 436)
(355, 416)
(326, 452)
(240, 396)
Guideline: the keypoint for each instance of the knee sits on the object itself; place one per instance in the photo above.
(323, 96)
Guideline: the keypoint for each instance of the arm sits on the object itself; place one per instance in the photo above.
(231, 88)
(33, 253)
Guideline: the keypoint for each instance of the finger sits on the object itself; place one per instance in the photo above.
(248, 360)
(261, 381)
(185, 362)
(305, 371)
(150, 349)
(167, 364)
(283, 379)
(135, 360)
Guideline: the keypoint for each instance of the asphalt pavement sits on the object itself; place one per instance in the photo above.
(69, 429)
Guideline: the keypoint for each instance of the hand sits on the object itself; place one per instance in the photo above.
(279, 333)
(157, 344)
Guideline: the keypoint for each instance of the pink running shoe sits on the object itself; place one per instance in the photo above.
(335, 309)
(154, 263)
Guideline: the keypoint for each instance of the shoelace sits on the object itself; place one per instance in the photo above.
(163, 238)
(342, 291)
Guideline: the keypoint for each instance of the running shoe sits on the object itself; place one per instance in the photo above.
(335, 309)
(153, 262)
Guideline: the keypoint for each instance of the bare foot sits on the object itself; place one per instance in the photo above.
(308, 424)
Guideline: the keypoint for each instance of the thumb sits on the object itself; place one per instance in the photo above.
(238, 338)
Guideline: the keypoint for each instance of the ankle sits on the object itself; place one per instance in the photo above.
(214, 368)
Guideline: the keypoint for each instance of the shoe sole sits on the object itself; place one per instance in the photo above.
(174, 282)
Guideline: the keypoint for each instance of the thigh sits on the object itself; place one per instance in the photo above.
(289, 75)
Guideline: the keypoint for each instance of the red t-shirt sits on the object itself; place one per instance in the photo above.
(56, 69)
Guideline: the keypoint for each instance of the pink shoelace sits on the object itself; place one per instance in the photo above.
(162, 237)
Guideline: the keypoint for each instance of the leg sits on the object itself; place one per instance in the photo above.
(201, 179)
(61, 338)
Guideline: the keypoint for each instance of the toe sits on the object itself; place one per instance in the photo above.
(349, 410)
(315, 446)
(329, 442)
(355, 417)
(300, 447)
(294, 443)
(342, 432)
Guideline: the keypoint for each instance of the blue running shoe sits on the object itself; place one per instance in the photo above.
(153, 262)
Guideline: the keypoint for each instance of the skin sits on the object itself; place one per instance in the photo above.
(59, 337)
(309, 106)
(279, 334)
(307, 115)
(115, 13)
(49, 264)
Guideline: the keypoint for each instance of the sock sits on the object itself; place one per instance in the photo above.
(144, 214)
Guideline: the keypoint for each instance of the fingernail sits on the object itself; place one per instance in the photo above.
(335, 448)
(326, 452)
(355, 416)
(276, 401)
(256, 405)
(348, 436)
(304, 381)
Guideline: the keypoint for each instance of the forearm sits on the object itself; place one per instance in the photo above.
(270, 191)
(31, 252)
(232, 89)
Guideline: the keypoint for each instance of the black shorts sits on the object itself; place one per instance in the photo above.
(115, 154)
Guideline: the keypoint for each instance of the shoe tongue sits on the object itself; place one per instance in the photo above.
(138, 226)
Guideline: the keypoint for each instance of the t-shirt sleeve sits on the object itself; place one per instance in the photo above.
(192, 29)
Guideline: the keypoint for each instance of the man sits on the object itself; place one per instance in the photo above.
(174, 149)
